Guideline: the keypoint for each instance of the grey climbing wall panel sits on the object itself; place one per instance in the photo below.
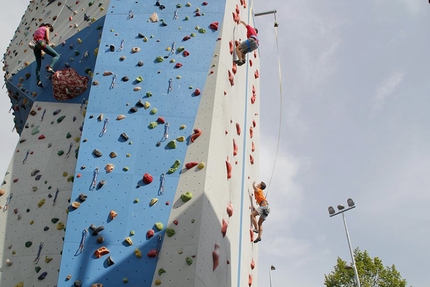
(165, 102)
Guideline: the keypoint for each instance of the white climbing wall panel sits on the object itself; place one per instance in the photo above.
(163, 97)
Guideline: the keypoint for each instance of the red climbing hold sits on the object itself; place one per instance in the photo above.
(152, 253)
(214, 25)
(150, 233)
(185, 53)
(235, 148)
(178, 65)
(251, 132)
(250, 280)
(254, 123)
(237, 9)
(197, 92)
(147, 178)
(161, 120)
(191, 164)
(251, 159)
(230, 209)
(175, 222)
(253, 147)
(231, 47)
(41, 137)
(252, 264)
(229, 168)
(186, 38)
(250, 62)
(234, 68)
(231, 77)
(195, 135)
(215, 256)
(204, 3)
(253, 98)
(224, 227)
(256, 74)
(238, 131)
(255, 54)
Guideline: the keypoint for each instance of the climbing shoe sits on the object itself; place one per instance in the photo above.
(240, 63)
(50, 70)
(257, 240)
(255, 230)
(39, 83)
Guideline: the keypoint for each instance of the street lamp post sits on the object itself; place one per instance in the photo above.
(342, 209)
(270, 274)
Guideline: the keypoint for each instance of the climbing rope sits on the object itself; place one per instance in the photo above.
(280, 104)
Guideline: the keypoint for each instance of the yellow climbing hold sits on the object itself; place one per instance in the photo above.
(153, 201)
(48, 259)
(138, 253)
(201, 165)
(20, 284)
(96, 51)
(65, 174)
(128, 241)
(182, 127)
(60, 226)
(41, 202)
(79, 41)
(180, 139)
(158, 282)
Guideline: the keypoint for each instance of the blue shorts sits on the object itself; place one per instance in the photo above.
(248, 45)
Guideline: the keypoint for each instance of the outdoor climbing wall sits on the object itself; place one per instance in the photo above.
(162, 190)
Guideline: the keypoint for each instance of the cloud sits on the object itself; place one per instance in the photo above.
(386, 89)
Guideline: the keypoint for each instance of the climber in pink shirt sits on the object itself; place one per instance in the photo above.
(249, 45)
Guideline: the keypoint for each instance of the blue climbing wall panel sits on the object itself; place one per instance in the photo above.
(141, 142)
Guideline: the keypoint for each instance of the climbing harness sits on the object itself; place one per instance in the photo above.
(161, 189)
(8, 199)
(55, 197)
(104, 129)
(38, 253)
(94, 182)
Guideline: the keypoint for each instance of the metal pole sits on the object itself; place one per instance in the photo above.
(265, 13)
(270, 276)
(350, 251)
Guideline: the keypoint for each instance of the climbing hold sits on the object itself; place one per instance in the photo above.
(100, 239)
(235, 148)
(197, 92)
(147, 178)
(153, 201)
(251, 132)
(153, 111)
(224, 227)
(180, 139)
(186, 196)
(135, 49)
(231, 78)
(139, 79)
(97, 153)
(54, 220)
(140, 64)
(181, 127)
(101, 251)
(238, 130)
(20, 284)
(251, 159)
(215, 256)
(256, 74)
(41, 137)
(170, 232)
(159, 59)
(28, 244)
(186, 38)
(120, 117)
(128, 241)
(175, 222)
(174, 167)
(154, 17)
(172, 144)
(60, 226)
(75, 204)
(137, 89)
(161, 120)
(230, 209)
(214, 26)
(68, 135)
(191, 164)
(37, 269)
(152, 253)
(48, 259)
(253, 147)
(189, 260)
(150, 233)
(124, 136)
(112, 214)
(158, 282)
(201, 165)
(252, 264)
(125, 79)
(42, 276)
(35, 130)
(229, 168)
(82, 197)
(96, 230)
(178, 65)
(109, 167)
(195, 135)
(137, 253)
(159, 226)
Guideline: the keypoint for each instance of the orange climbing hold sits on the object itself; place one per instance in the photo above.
(231, 78)
(230, 209)
(215, 256)
(252, 147)
(231, 47)
(224, 227)
(252, 264)
(251, 132)
(229, 168)
(237, 9)
(234, 68)
(112, 214)
(250, 280)
(251, 159)
(238, 131)
(101, 251)
(195, 135)
(235, 148)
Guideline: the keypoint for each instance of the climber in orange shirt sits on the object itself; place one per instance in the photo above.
(262, 210)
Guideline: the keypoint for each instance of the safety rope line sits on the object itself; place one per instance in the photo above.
(280, 106)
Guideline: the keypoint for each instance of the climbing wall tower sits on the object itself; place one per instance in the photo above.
(145, 178)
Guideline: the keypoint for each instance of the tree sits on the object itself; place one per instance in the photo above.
(371, 272)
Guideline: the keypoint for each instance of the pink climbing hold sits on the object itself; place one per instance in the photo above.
(230, 209)
(178, 65)
(235, 148)
(150, 233)
(252, 264)
(147, 178)
(234, 68)
(215, 256)
(238, 131)
(214, 26)
(195, 135)
(197, 92)
(256, 74)
(224, 227)
(229, 168)
(191, 164)
(185, 53)
(250, 280)
(152, 253)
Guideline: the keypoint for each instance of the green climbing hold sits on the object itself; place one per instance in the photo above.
(28, 244)
(125, 168)
(161, 271)
(60, 119)
(68, 135)
(148, 94)
(180, 49)
(170, 232)
(54, 220)
(159, 226)
(189, 260)
(152, 125)
(131, 232)
(178, 6)
(186, 196)
(172, 144)
(91, 3)
(153, 111)
(70, 178)
(125, 280)
(174, 167)
(37, 268)
(35, 130)
(159, 59)
(186, 18)
(136, 200)
(193, 34)
(202, 31)
(181, 127)
(60, 152)
(77, 52)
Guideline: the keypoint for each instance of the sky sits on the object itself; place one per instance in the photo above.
(353, 115)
